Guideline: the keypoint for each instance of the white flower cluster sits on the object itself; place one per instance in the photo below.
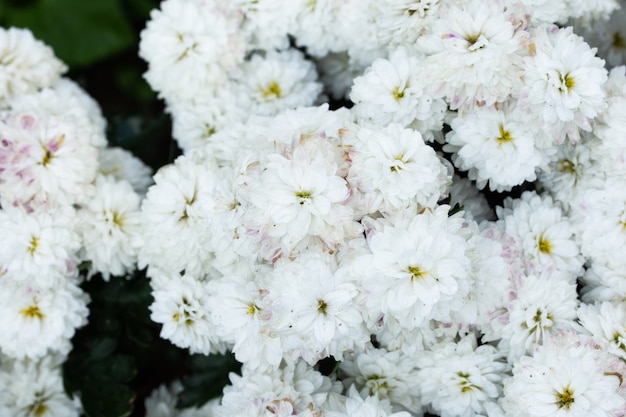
(65, 199)
(289, 233)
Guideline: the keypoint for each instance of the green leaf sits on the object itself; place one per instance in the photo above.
(102, 348)
(118, 368)
(457, 208)
(210, 376)
(130, 81)
(81, 32)
(140, 335)
(107, 399)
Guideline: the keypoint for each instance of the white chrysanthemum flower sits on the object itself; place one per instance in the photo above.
(38, 321)
(162, 403)
(162, 400)
(298, 196)
(197, 120)
(314, 26)
(490, 280)
(242, 310)
(175, 214)
(543, 305)
(402, 22)
(604, 282)
(26, 64)
(295, 390)
(278, 81)
(66, 100)
(35, 389)
(267, 23)
(571, 171)
(563, 83)
(392, 334)
(544, 235)
(190, 46)
(122, 165)
(383, 374)
(355, 27)
(606, 321)
(544, 12)
(298, 126)
(397, 167)
(587, 11)
(473, 52)
(611, 126)
(496, 145)
(235, 250)
(355, 404)
(460, 379)
(390, 91)
(44, 159)
(317, 310)
(418, 269)
(569, 377)
(609, 37)
(181, 305)
(110, 228)
(600, 219)
(38, 248)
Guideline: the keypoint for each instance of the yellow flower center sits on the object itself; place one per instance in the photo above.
(398, 94)
(476, 41)
(622, 220)
(118, 219)
(32, 312)
(417, 273)
(544, 245)
(272, 90)
(303, 196)
(378, 385)
(252, 308)
(209, 130)
(505, 136)
(565, 165)
(465, 383)
(188, 203)
(617, 339)
(420, 8)
(33, 245)
(567, 82)
(39, 409)
(187, 43)
(565, 399)
(322, 306)
(47, 157)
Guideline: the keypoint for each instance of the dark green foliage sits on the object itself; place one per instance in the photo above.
(102, 368)
(119, 358)
(80, 32)
(210, 375)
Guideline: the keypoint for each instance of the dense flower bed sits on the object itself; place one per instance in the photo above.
(426, 195)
